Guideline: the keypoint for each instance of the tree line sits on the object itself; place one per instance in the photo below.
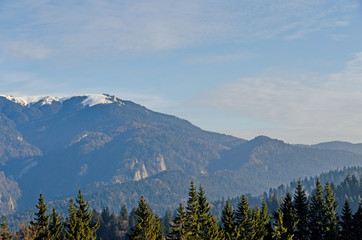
(297, 217)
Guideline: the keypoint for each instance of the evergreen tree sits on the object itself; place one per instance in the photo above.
(281, 232)
(357, 222)
(4, 230)
(84, 215)
(316, 217)
(243, 219)
(55, 226)
(158, 229)
(148, 226)
(301, 210)
(167, 220)
(73, 227)
(133, 218)
(346, 223)
(178, 231)
(41, 220)
(261, 230)
(192, 226)
(207, 229)
(289, 214)
(228, 222)
(330, 218)
(123, 219)
(79, 222)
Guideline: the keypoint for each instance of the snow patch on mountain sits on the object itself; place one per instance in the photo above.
(94, 99)
(90, 100)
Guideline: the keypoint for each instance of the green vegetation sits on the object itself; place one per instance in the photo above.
(297, 217)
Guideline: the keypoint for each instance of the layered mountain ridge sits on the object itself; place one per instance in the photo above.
(117, 148)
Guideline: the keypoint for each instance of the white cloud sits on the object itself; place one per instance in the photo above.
(103, 27)
(314, 106)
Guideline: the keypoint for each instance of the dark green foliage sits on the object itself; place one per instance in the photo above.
(289, 215)
(4, 230)
(357, 222)
(178, 225)
(55, 226)
(301, 213)
(261, 229)
(330, 228)
(40, 224)
(133, 218)
(316, 224)
(281, 232)
(228, 222)
(192, 210)
(123, 219)
(79, 224)
(346, 223)
(207, 224)
(166, 221)
(244, 222)
(148, 225)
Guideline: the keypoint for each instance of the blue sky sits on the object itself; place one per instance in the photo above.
(288, 69)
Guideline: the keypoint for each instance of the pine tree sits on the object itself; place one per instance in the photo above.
(4, 230)
(228, 222)
(133, 218)
(206, 224)
(73, 227)
(357, 222)
(123, 219)
(41, 220)
(301, 210)
(84, 215)
(158, 229)
(55, 226)
(178, 231)
(289, 214)
(261, 230)
(330, 219)
(281, 232)
(346, 223)
(166, 222)
(147, 227)
(243, 220)
(316, 217)
(192, 226)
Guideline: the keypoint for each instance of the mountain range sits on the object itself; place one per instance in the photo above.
(117, 150)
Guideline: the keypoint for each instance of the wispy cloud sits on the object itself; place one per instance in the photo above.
(308, 103)
(104, 27)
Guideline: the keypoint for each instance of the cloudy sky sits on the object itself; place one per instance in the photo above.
(288, 69)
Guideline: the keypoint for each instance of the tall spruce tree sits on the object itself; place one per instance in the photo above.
(261, 230)
(243, 219)
(281, 232)
(178, 227)
(289, 214)
(147, 226)
(302, 210)
(73, 227)
(40, 223)
(166, 221)
(346, 223)
(55, 226)
(123, 218)
(330, 218)
(192, 214)
(317, 209)
(4, 230)
(84, 214)
(207, 228)
(357, 222)
(228, 222)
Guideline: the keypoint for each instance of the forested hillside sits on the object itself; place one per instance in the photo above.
(297, 217)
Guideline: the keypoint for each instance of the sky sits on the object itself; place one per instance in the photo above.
(287, 69)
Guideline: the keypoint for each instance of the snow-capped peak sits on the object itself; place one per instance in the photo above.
(90, 100)
(94, 99)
